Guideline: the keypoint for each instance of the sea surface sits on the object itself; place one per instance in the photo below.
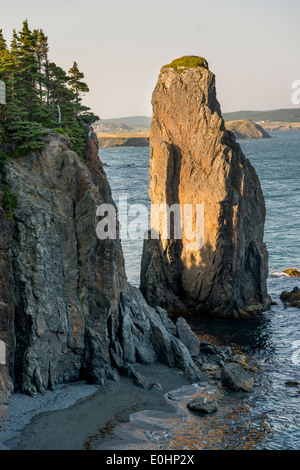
(269, 418)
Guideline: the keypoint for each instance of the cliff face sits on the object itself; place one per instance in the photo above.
(66, 283)
(246, 129)
(194, 160)
(7, 333)
(66, 310)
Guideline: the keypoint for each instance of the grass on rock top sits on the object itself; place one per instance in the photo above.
(187, 61)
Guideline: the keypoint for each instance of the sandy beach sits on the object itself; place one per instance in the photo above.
(83, 417)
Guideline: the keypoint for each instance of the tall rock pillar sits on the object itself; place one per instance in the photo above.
(195, 160)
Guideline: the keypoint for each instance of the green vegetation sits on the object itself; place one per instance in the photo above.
(3, 158)
(40, 96)
(9, 201)
(276, 115)
(59, 130)
(187, 61)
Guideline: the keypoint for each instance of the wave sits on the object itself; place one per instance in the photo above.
(282, 274)
(285, 274)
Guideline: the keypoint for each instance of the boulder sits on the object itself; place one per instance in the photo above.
(188, 337)
(234, 377)
(241, 359)
(203, 405)
(292, 383)
(292, 272)
(207, 367)
(291, 299)
(210, 356)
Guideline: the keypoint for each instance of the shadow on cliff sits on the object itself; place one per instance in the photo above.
(194, 289)
(172, 197)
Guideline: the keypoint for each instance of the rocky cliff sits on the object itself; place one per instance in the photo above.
(66, 309)
(246, 129)
(7, 328)
(195, 160)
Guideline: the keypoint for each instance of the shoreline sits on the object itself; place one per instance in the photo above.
(81, 416)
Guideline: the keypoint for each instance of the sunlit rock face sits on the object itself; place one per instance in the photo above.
(195, 160)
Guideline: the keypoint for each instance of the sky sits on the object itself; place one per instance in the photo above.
(253, 47)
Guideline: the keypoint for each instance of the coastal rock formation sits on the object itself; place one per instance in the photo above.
(195, 160)
(203, 405)
(291, 272)
(66, 309)
(291, 299)
(246, 129)
(66, 283)
(235, 378)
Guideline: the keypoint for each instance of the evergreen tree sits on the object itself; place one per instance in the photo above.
(39, 94)
(61, 98)
(41, 50)
(3, 47)
(76, 85)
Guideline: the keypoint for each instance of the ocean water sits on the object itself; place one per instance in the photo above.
(269, 418)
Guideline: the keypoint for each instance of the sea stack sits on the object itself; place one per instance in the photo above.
(195, 160)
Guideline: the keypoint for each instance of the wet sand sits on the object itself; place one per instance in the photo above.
(89, 413)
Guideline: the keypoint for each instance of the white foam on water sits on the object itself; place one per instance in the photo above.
(282, 274)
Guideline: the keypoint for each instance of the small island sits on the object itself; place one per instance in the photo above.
(246, 129)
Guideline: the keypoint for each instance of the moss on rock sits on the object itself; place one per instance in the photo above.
(186, 62)
(9, 201)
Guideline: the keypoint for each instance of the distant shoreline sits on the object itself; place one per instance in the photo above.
(142, 139)
(280, 126)
(123, 139)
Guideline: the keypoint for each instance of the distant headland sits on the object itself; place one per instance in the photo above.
(246, 129)
(278, 119)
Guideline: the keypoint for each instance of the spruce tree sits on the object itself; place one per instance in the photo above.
(61, 98)
(3, 47)
(40, 95)
(76, 85)
(41, 49)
